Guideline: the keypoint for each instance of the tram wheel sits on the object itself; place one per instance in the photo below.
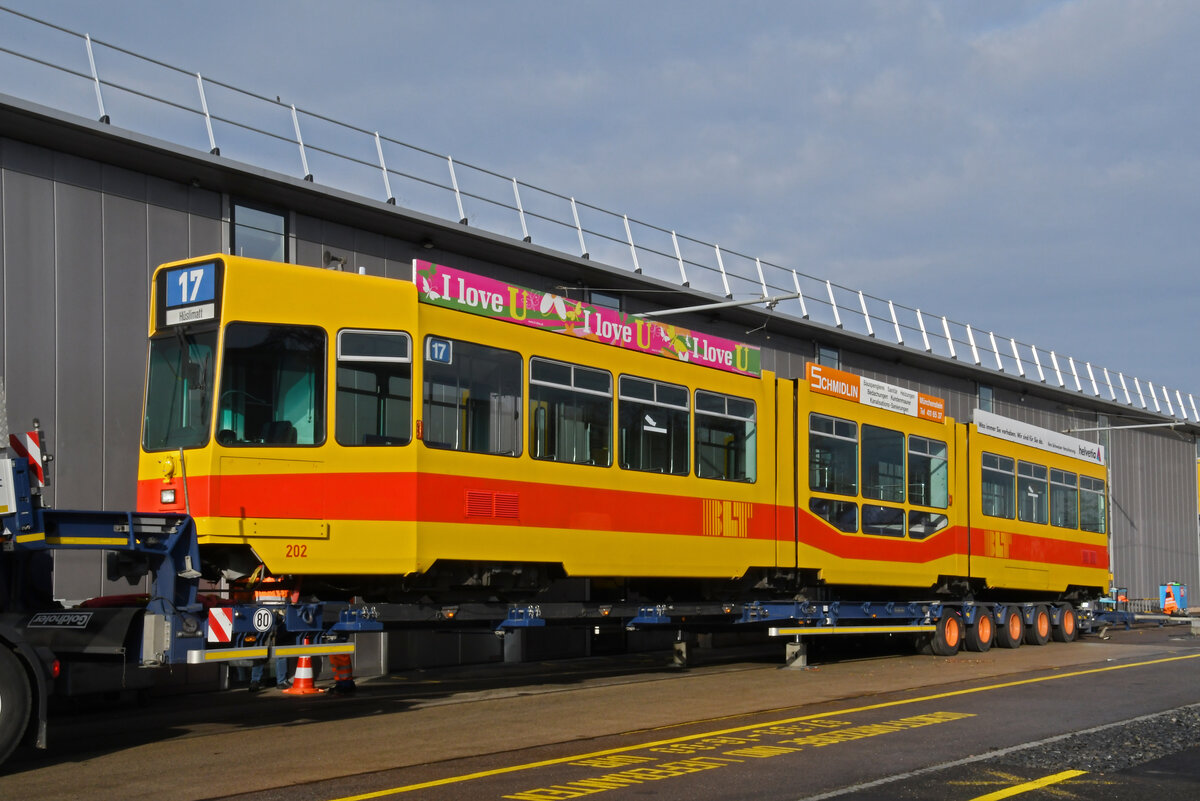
(949, 635)
(1038, 632)
(980, 633)
(1067, 630)
(1011, 630)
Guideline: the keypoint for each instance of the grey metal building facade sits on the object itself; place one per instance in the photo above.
(88, 210)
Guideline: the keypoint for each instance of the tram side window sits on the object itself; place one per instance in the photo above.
(923, 524)
(885, 521)
(272, 386)
(882, 465)
(996, 486)
(1091, 504)
(832, 455)
(928, 472)
(374, 388)
(652, 426)
(1032, 495)
(570, 413)
(842, 514)
(1064, 499)
(179, 390)
(725, 437)
(472, 397)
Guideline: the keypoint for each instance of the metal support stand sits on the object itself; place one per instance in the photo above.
(514, 646)
(681, 654)
(796, 654)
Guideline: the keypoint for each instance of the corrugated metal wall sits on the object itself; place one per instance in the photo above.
(79, 240)
(1154, 511)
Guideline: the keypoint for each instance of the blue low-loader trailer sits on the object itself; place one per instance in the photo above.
(48, 650)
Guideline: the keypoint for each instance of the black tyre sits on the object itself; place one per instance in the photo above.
(15, 702)
(980, 633)
(1068, 626)
(949, 635)
(1011, 630)
(1038, 632)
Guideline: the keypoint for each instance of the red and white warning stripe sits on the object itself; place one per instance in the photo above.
(30, 447)
(220, 624)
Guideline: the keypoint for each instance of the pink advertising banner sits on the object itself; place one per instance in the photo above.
(456, 289)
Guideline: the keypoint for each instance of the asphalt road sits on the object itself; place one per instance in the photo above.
(885, 726)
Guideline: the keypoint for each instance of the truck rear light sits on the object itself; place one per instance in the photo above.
(167, 497)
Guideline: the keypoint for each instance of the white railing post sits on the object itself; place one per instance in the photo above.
(971, 339)
(949, 339)
(1017, 357)
(308, 176)
(1153, 395)
(721, 267)
(637, 268)
(837, 316)
(95, 79)
(679, 257)
(1038, 362)
(212, 142)
(462, 215)
(799, 295)
(862, 304)
(924, 333)
(525, 237)
(1112, 391)
(387, 184)
(1057, 371)
(762, 283)
(1138, 386)
(896, 324)
(583, 251)
(1075, 373)
(995, 351)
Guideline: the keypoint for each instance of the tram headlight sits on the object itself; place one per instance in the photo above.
(167, 496)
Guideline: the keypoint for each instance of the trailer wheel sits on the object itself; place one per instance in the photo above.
(980, 633)
(1038, 632)
(1011, 630)
(15, 702)
(1068, 629)
(949, 635)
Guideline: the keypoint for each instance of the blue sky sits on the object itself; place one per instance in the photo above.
(1030, 168)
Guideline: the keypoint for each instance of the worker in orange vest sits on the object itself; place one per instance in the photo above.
(343, 674)
(269, 591)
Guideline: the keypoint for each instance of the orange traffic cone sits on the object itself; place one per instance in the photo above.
(302, 682)
(1170, 606)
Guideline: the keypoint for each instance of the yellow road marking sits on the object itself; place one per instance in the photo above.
(1036, 784)
(870, 707)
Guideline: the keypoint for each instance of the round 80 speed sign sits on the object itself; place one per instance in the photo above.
(263, 619)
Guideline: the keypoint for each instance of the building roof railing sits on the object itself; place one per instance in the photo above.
(73, 72)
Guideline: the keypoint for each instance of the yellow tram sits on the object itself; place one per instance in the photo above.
(456, 431)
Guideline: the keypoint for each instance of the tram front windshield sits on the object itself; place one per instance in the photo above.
(179, 390)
